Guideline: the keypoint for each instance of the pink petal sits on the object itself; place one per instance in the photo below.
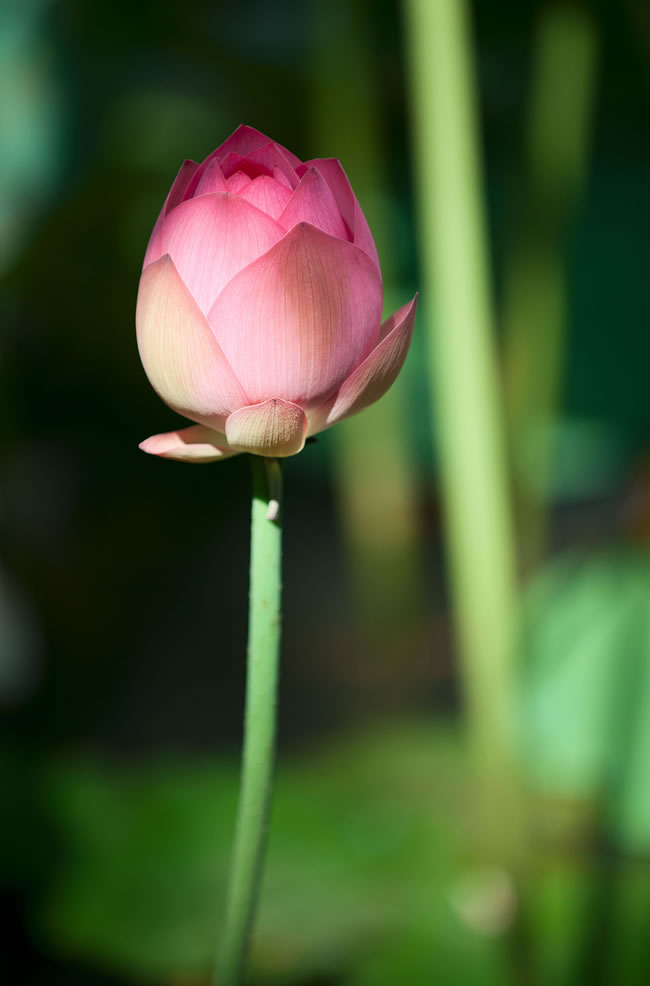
(313, 202)
(351, 211)
(235, 148)
(154, 248)
(333, 173)
(211, 180)
(266, 194)
(242, 141)
(375, 375)
(362, 235)
(235, 162)
(179, 352)
(212, 237)
(180, 184)
(275, 428)
(272, 156)
(194, 444)
(238, 182)
(294, 161)
(296, 322)
(280, 176)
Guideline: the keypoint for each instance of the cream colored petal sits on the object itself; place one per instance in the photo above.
(274, 428)
(179, 352)
(194, 444)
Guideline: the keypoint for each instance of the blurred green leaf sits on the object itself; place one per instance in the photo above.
(363, 859)
(585, 709)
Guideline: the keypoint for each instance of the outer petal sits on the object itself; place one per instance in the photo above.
(362, 235)
(298, 320)
(275, 428)
(333, 173)
(351, 211)
(242, 141)
(194, 444)
(212, 237)
(154, 247)
(180, 355)
(267, 194)
(181, 184)
(294, 161)
(374, 376)
(183, 178)
(313, 202)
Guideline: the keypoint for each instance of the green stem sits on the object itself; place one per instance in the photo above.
(467, 410)
(259, 729)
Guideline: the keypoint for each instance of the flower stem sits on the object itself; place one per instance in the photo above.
(260, 717)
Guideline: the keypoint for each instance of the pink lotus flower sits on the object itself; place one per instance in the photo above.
(259, 308)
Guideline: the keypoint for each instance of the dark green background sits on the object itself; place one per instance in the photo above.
(125, 577)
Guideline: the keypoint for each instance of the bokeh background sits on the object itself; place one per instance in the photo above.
(123, 578)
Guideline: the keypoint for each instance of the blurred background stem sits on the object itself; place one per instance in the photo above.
(557, 144)
(259, 728)
(373, 456)
(466, 406)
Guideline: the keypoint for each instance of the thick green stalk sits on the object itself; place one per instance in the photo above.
(467, 409)
(259, 728)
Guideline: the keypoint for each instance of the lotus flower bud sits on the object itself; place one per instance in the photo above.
(259, 307)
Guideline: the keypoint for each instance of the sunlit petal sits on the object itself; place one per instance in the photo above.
(298, 320)
(180, 355)
(212, 237)
(274, 428)
(194, 444)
